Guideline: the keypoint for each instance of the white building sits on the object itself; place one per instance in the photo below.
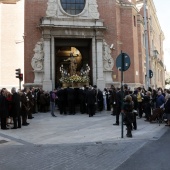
(11, 41)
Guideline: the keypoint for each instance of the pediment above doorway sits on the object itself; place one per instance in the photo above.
(55, 9)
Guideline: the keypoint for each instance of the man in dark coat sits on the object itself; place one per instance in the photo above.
(25, 106)
(3, 109)
(53, 98)
(113, 100)
(16, 108)
(147, 105)
(82, 98)
(61, 94)
(90, 100)
(71, 100)
(100, 100)
(31, 101)
(42, 102)
(118, 105)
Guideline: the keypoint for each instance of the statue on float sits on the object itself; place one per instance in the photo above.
(73, 64)
(73, 78)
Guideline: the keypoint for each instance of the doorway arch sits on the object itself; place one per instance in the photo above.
(81, 50)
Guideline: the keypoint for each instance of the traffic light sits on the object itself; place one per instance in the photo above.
(18, 72)
(21, 77)
(150, 74)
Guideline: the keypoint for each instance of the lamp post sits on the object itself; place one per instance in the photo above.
(146, 45)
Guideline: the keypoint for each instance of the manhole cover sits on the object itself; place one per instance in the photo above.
(3, 141)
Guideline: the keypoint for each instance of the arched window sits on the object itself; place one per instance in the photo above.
(73, 7)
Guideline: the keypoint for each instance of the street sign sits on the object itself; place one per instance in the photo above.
(122, 64)
(150, 74)
(123, 60)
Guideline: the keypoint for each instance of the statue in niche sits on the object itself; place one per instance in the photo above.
(108, 60)
(38, 59)
(73, 64)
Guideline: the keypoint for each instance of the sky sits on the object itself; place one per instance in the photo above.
(163, 14)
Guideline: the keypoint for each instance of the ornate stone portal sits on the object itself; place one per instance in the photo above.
(58, 24)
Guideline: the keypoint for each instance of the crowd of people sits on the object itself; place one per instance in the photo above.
(22, 104)
(140, 103)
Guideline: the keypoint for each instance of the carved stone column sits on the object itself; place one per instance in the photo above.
(47, 83)
(94, 71)
(53, 61)
(100, 79)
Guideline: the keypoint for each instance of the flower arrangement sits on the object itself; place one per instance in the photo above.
(85, 79)
(64, 80)
(74, 78)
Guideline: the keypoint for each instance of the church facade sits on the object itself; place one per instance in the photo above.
(94, 31)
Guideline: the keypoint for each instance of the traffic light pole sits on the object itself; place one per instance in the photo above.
(146, 51)
(19, 84)
(122, 68)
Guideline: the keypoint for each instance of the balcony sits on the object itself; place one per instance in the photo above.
(9, 1)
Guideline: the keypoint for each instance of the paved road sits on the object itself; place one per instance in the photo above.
(73, 143)
(45, 129)
(155, 155)
(85, 156)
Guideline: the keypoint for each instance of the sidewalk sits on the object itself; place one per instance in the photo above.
(79, 128)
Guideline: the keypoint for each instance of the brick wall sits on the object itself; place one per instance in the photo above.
(111, 20)
(120, 29)
(34, 10)
(123, 34)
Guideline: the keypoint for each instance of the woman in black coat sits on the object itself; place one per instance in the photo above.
(3, 109)
(90, 101)
(100, 100)
(128, 114)
(147, 105)
(15, 111)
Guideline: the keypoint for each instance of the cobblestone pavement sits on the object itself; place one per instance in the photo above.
(96, 156)
(72, 143)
